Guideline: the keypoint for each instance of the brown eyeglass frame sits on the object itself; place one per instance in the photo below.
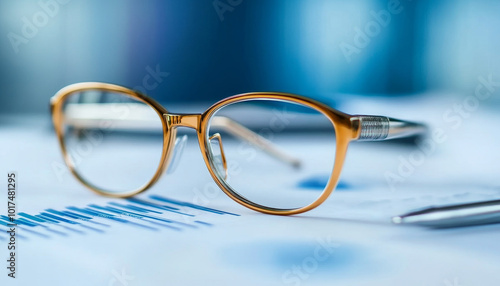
(347, 128)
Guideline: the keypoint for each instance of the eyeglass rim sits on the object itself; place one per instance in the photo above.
(344, 129)
(56, 106)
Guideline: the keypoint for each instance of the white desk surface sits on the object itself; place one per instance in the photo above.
(349, 240)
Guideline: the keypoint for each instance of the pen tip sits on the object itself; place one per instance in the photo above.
(397, 220)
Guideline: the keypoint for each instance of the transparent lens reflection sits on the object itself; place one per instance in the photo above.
(270, 148)
(114, 141)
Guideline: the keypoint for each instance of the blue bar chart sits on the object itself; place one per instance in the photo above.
(155, 213)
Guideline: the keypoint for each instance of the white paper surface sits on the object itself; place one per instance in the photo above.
(348, 240)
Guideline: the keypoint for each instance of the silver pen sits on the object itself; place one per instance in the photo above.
(485, 212)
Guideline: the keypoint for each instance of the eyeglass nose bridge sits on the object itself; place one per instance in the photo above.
(184, 120)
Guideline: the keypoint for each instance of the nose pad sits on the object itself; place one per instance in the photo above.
(180, 143)
(218, 157)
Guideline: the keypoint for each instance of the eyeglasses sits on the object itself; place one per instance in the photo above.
(275, 153)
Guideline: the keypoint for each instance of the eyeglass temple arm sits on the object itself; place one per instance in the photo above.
(377, 128)
(253, 138)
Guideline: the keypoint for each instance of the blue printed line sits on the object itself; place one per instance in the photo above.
(157, 206)
(7, 223)
(204, 223)
(58, 218)
(76, 217)
(134, 208)
(44, 226)
(141, 201)
(17, 234)
(92, 228)
(61, 214)
(115, 210)
(73, 230)
(132, 214)
(7, 219)
(2, 230)
(70, 222)
(97, 214)
(31, 217)
(33, 232)
(162, 224)
(186, 204)
(56, 231)
(86, 218)
(143, 210)
(47, 219)
(110, 216)
(121, 212)
(149, 216)
(27, 222)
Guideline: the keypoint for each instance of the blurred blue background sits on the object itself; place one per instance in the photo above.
(188, 51)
